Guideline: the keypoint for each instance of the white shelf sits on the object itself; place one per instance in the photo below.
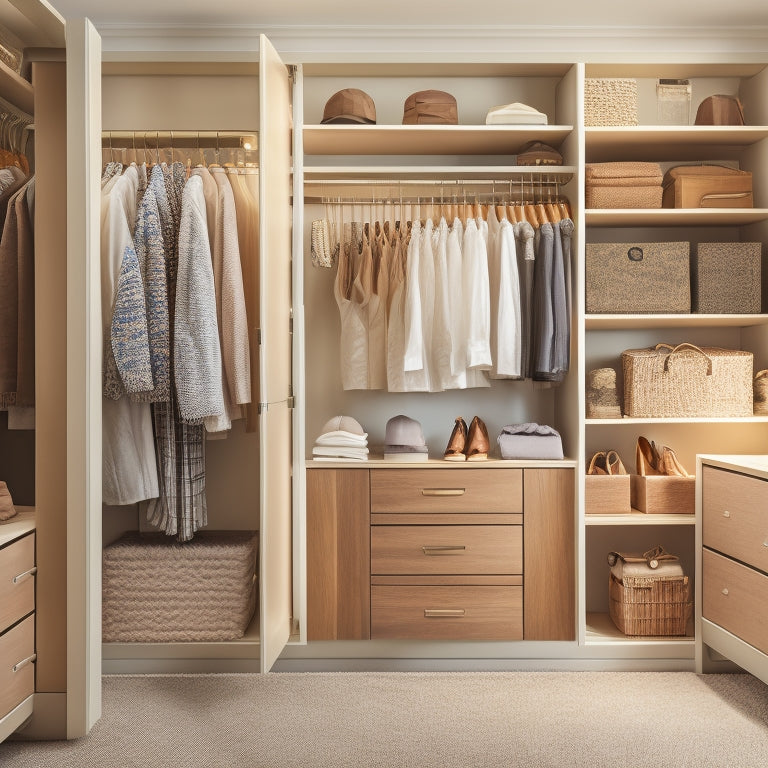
(673, 217)
(670, 142)
(600, 630)
(632, 322)
(639, 518)
(427, 139)
(627, 421)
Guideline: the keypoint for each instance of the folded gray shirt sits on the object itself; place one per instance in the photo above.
(530, 441)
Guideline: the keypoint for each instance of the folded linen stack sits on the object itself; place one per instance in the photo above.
(623, 185)
(342, 438)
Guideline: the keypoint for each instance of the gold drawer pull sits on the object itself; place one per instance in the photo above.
(438, 613)
(443, 491)
(24, 662)
(726, 513)
(22, 576)
(725, 591)
(442, 550)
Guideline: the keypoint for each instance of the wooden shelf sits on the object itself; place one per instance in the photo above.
(674, 217)
(601, 630)
(671, 142)
(436, 172)
(632, 322)
(22, 523)
(627, 421)
(639, 518)
(17, 90)
(427, 139)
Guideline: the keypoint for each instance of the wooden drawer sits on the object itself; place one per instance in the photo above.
(446, 613)
(735, 515)
(17, 678)
(446, 549)
(17, 580)
(446, 490)
(736, 598)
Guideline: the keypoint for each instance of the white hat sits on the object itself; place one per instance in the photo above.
(343, 424)
(515, 114)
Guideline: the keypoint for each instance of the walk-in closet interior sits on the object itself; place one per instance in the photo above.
(169, 454)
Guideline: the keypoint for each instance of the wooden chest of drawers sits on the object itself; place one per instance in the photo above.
(17, 623)
(734, 564)
(447, 553)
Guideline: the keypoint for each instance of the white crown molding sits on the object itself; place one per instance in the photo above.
(451, 42)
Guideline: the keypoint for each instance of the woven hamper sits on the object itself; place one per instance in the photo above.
(610, 101)
(726, 278)
(687, 381)
(638, 278)
(156, 590)
(649, 606)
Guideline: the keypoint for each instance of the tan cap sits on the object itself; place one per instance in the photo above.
(430, 108)
(350, 105)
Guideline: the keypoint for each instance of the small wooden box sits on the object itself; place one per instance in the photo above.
(664, 495)
(607, 495)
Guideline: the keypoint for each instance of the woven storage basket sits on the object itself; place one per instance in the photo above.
(638, 278)
(623, 185)
(650, 606)
(760, 391)
(687, 381)
(726, 278)
(156, 590)
(610, 101)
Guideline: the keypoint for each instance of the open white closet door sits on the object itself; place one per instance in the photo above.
(274, 354)
(83, 612)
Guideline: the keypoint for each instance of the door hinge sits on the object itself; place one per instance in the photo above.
(263, 407)
(258, 336)
(293, 72)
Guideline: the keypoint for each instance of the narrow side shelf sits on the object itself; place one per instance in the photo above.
(631, 322)
(427, 139)
(600, 630)
(673, 217)
(670, 142)
(639, 518)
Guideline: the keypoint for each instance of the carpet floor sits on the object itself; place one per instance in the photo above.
(400, 719)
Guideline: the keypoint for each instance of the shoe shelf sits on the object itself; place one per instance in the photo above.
(670, 142)
(600, 630)
(639, 518)
(631, 322)
(427, 139)
(673, 217)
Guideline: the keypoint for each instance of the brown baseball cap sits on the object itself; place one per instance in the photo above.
(430, 108)
(349, 105)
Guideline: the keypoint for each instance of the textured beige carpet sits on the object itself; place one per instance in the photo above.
(450, 720)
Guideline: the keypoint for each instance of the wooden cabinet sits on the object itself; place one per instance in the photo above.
(733, 559)
(17, 621)
(447, 553)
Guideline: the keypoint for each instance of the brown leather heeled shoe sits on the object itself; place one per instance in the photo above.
(457, 443)
(647, 458)
(478, 443)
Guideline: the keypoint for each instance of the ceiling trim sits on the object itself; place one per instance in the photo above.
(300, 43)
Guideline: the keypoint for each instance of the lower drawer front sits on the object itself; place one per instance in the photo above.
(446, 613)
(17, 672)
(736, 598)
(446, 549)
(17, 580)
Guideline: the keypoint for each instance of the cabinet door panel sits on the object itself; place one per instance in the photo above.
(275, 424)
(549, 575)
(338, 555)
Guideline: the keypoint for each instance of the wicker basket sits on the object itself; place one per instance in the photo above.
(726, 278)
(610, 101)
(623, 185)
(650, 606)
(687, 381)
(156, 590)
(638, 278)
(760, 391)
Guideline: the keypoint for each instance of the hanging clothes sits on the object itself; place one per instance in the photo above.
(129, 467)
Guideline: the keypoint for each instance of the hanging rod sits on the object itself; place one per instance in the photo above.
(247, 140)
